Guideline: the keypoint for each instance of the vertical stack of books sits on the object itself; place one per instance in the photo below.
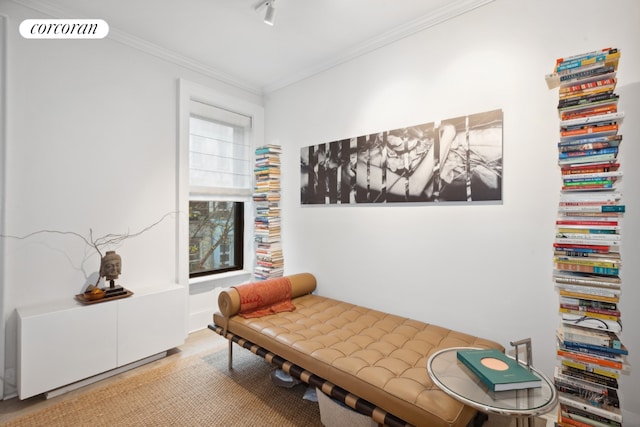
(587, 256)
(266, 198)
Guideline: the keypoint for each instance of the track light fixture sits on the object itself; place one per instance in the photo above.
(270, 12)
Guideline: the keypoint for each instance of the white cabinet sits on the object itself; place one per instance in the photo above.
(65, 342)
(157, 325)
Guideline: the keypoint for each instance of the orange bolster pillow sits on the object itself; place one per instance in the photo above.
(229, 299)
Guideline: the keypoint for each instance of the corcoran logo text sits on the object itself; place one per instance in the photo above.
(64, 29)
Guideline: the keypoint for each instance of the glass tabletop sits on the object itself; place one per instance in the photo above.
(459, 382)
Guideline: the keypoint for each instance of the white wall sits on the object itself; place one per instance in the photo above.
(485, 270)
(630, 102)
(91, 144)
(3, 74)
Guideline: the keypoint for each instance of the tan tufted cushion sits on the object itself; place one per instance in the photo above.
(377, 356)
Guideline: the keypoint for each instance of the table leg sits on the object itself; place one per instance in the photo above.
(525, 422)
(480, 419)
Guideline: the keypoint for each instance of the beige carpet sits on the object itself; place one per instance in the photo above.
(195, 391)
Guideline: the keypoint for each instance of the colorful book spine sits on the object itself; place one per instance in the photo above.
(269, 261)
(587, 259)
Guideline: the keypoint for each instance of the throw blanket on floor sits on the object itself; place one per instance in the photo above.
(263, 298)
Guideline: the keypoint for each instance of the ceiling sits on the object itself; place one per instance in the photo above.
(227, 39)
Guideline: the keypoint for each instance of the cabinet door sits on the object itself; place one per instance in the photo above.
(150, 323)
(61, 346)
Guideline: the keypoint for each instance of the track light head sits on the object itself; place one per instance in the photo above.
(270, 12)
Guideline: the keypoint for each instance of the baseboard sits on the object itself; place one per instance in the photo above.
(199, 320)
(74, 386)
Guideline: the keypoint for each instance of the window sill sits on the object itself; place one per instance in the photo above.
(222, 280)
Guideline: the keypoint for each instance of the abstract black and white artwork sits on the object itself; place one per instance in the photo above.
(458, 160)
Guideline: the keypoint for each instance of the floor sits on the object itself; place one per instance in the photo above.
(196, 342)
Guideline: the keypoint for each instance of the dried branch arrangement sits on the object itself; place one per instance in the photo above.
(99, 243)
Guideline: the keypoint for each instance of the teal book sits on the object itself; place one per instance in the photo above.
(498, 371)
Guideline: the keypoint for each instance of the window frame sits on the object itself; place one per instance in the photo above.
(187, 92)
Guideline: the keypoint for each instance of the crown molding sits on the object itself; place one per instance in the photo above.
(181, 60)
(443, 14)
(147, 47)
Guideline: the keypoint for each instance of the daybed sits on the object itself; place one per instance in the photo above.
(373, 361)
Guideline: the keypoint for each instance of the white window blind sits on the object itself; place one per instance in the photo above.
(219, 151)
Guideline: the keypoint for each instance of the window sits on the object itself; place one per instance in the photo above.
(219, 187)
(216, 135)
(215, 237)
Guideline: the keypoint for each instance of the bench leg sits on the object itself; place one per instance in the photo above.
(230, 355)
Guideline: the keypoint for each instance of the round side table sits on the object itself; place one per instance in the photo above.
(456, 380)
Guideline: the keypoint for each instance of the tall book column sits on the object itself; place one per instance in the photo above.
(266, 197)
(587, 255)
